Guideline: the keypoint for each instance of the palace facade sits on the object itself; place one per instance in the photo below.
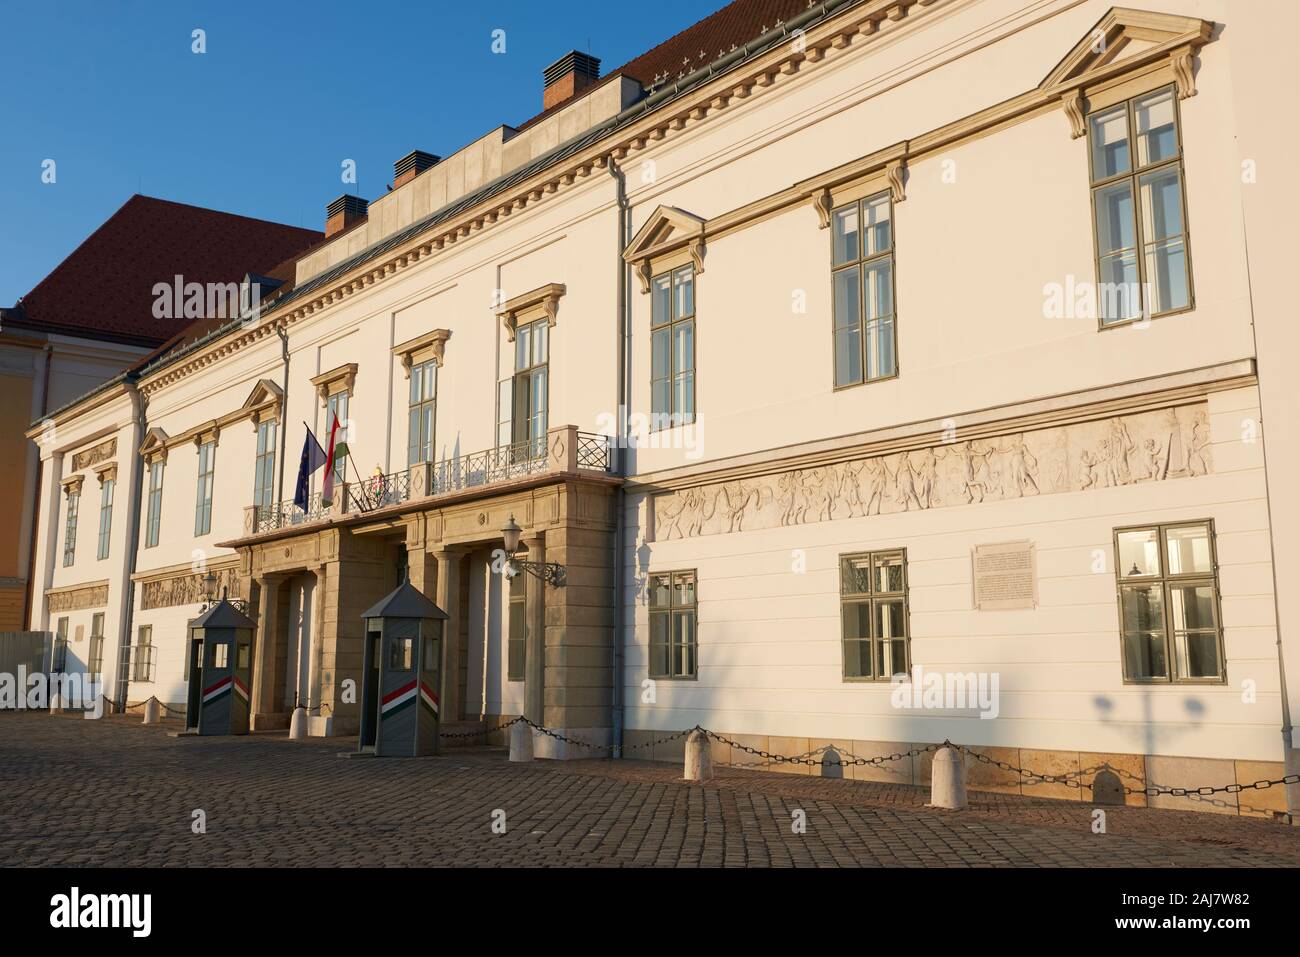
(822, 344)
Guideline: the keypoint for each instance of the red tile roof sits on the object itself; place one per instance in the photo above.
(710, 38)
(104, 288)
(734, 25)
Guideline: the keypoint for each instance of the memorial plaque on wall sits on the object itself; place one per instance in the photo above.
(1004, 576)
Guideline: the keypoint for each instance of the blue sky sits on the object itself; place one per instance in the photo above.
(260, 123)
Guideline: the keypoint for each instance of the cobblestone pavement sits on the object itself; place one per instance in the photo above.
(112, 792)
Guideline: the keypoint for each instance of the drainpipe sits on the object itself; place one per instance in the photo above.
(284, 409)
(36, 504)
(620, 406)
(140, 420)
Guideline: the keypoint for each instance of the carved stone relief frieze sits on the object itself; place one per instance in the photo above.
(75, 599)
(94, 455)
(1122, 450)
(186, 589)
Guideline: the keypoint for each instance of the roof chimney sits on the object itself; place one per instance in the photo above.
(567, 77)
(343, 212)
(412, 165)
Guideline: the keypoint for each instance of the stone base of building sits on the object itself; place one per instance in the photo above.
(1133, 770)
(273, 721)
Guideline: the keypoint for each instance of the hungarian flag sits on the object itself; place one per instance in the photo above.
(338, 449)
(313, 457)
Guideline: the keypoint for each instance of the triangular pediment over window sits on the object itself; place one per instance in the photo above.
(154, 445)
(264, 393)
(667, 230)
(1122, 39)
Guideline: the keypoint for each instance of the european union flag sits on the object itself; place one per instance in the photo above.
(313, 457)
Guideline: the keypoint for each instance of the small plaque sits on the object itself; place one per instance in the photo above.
(1004, 576)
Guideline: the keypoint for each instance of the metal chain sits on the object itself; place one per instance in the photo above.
(1157, 791)
(813, 762)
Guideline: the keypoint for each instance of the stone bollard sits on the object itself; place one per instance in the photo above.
(298, 724)
(948, 779)
(521, 742)
(699, 760)
(152, 711)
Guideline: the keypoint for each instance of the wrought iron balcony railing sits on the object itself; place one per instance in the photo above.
(561, 450)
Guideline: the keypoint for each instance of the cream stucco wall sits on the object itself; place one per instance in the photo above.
(984, 226)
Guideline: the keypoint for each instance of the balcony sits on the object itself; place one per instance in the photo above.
(565, 450)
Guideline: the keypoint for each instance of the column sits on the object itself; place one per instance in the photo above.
(268, 627)
(449, 601)
(535, 633)
(318, 717)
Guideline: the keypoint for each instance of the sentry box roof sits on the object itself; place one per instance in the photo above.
(224, 615)
(405, 601)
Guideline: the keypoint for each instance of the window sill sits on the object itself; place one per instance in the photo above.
(1126, 323)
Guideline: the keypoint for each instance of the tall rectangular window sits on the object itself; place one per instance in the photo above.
(105, 517)
(70, 528)
(420, 412)
(153, 520)
(203, 498)
(517, 636)
(264, 464)
(1136, 162)
(59, 660)
(143, 668)
(862, 258)
(95, 662)
(337, 405)
(532, 354)
(873, 614)
(1168, 582)
(672, 347)
(673, 603)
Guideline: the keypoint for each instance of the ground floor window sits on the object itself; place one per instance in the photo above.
(517, 625)
(95, 662)
(673, 600)
(1168, 582)
(142, 669)
(873, 614)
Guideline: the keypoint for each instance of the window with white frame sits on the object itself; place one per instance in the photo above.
(517, 627)
(672, 347)
(421, 400)
(336, 406)
(95, 660)
(106, 490)
(862, 259)
(1140, 224)
(59, 657)
(264, 463)
(203, 495)
(71, 508)
(1168, 582)
(153, 520)
(873, 614)
(530, 385)
(673, 606)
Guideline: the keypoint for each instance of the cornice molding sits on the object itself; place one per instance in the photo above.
(1165, 391)
(544, 300)
(431, 345)
(776, 67)
(338, 379)
(72, 484)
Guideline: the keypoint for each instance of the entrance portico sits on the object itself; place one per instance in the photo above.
(311, 583)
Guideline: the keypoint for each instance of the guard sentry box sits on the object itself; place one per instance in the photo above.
(221, 664)
(402, 665)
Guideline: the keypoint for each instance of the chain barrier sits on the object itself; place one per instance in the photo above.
(1071, 778)
(813, 762)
